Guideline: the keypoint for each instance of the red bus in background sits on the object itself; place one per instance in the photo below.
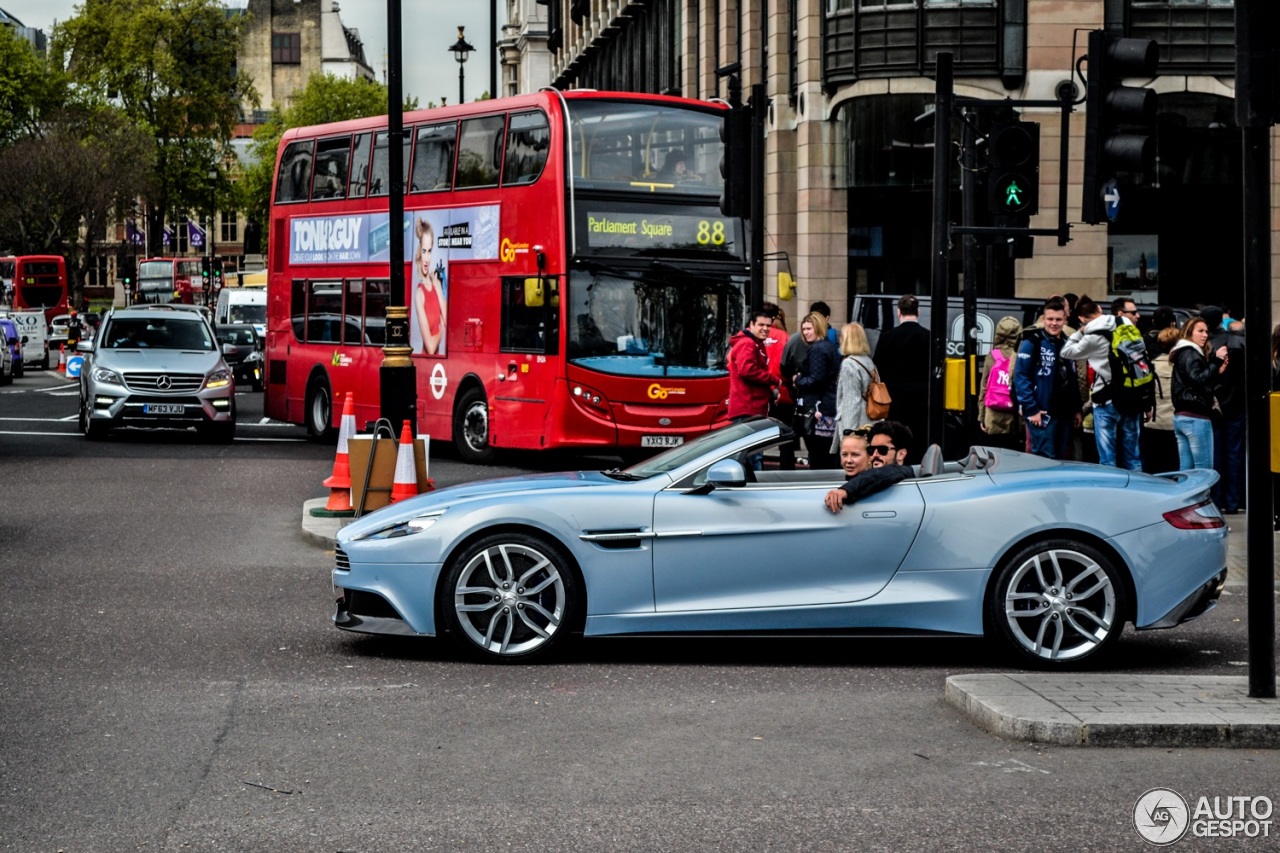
(162, 280)
(568, 286)
(39, 281)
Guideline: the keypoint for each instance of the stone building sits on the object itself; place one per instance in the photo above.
(849, 130)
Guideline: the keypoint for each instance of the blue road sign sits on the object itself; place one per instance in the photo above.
(1111, 199)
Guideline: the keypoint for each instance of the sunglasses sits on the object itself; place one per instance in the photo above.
(862, 431)
(881, 449)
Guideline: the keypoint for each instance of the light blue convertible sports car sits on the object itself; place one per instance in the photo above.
(1051, 558)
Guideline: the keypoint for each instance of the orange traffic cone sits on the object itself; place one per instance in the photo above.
(62, 358)
(339, 482)
(405, 484)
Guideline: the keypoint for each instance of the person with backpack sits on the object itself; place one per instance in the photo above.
(1123, 388)
(997, 410)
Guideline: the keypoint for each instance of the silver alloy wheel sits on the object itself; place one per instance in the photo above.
(1060, 604)
(510, 599)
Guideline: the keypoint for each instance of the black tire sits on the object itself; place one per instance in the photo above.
(1057, 603)
(471, 428)
(19, 369)
(44, 365)
(219, 433)
(92, 431)
(319, 412)
(525, 614)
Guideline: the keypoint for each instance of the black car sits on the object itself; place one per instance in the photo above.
(246, 361)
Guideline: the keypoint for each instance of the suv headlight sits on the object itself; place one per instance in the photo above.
(405, 528)
(102, 374)
(218, 379)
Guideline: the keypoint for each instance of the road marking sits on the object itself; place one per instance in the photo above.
(78, 435)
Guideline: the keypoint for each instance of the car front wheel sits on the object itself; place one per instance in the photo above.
(92, 431)
(510, 597)
(1057, 603)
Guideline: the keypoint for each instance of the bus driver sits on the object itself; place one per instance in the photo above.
(428, 293)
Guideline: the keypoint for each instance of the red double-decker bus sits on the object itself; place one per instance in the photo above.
(163, 280)
(572, 281)
(39, 281)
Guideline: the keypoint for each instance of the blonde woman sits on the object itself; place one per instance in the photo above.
(856, 369)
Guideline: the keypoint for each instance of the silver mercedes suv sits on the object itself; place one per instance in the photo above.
(156, 366)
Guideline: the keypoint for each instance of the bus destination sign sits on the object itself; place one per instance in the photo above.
(651, 230)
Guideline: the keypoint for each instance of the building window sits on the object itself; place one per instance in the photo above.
(286, 48)
(230, 227)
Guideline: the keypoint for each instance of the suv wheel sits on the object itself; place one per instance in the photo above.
(92, 431)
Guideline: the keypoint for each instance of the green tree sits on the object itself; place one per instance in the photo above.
(324, 99)
(170, 66)
(29, 88)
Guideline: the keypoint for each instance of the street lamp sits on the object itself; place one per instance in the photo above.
(461, 50)
(213, 212)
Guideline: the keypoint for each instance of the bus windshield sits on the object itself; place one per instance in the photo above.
(644, 325)
(647, 148)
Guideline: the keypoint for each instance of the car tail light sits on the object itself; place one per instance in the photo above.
(1201, 516)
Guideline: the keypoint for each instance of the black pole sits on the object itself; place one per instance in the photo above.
(944, 99)
(759, 105)
(397, 379)
(1255, 108)
(969, 202)
(461, 99)
(493, 45)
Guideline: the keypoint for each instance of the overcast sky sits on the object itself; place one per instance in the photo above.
(428, 28)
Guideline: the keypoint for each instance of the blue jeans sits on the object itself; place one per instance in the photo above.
(1051, 441)
(1228, 459)
(1195, 442)
(1113, 430)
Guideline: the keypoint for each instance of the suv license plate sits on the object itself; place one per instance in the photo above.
(661, 440)
(163, 408)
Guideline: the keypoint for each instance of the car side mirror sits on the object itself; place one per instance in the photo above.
(84, 346)
(727, 473)
(228, 349)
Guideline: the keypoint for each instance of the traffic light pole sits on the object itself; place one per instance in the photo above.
(944, 101)
(759, 105)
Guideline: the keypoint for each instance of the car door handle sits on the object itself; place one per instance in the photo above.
(887, 513)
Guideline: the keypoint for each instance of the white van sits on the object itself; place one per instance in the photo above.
(35, 337)
(243, 305)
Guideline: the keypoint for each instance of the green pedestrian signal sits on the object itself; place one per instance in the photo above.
(1013, 193)
(1013, 169)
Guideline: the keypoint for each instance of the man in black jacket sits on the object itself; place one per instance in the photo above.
(888, 444)
(1229, 429)
(902, 357)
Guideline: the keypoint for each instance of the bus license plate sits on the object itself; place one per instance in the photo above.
(661, 440)
(163, 408)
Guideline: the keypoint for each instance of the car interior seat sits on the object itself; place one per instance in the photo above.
(931, 462)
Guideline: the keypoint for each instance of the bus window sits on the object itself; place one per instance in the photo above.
(377, 295)
(480, 152)
(525, 328)
(332, 156)
(294, 179)
(324, 312)
(433, 157)
(360, 167)
(528, 140)
(379, 179)
(353, 309)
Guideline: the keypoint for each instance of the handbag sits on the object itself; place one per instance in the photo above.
(876, 394)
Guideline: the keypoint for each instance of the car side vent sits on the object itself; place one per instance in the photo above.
(617, 540)
(341, 561)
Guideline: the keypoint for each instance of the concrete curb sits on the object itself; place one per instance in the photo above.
(321, 531)
(1117, 710)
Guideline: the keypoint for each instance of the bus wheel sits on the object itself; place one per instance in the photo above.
(471, 428)
(320, 411)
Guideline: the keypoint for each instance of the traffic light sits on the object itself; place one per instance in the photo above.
(1013, 169)
(216, 271)
(128, 268)
(206, 270)
(1120, 121)
(735, 162)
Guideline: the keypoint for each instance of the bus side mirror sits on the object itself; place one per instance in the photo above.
(786, 285)
(534, 292)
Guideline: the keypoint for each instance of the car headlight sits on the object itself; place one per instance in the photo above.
(218, 378)
(409, 527)
(102, 374)
(254, 356)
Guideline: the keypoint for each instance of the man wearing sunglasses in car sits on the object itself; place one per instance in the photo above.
(887, 444)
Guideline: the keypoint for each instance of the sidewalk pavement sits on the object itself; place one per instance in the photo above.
(1084, 709)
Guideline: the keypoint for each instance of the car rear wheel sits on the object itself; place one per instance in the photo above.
(320, 410)
(1057, 603)
(471, 428)
(44, 365)
(510, 597)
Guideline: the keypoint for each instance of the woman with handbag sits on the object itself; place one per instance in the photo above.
(815, 388)
(857, 372)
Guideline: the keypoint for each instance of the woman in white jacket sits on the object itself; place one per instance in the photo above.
(856, 369)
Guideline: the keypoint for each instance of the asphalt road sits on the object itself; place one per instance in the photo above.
(170, 680)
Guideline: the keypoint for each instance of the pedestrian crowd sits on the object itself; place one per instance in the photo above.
(1082, 383)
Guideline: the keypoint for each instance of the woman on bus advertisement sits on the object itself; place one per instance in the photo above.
(430, 305)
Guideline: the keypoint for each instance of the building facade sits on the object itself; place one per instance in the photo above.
(849, 150)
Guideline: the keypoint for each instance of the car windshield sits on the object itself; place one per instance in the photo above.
(249, 313)
(703, 445)
(239, 337)
(157, 333)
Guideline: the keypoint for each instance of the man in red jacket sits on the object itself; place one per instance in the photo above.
(751, 387)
